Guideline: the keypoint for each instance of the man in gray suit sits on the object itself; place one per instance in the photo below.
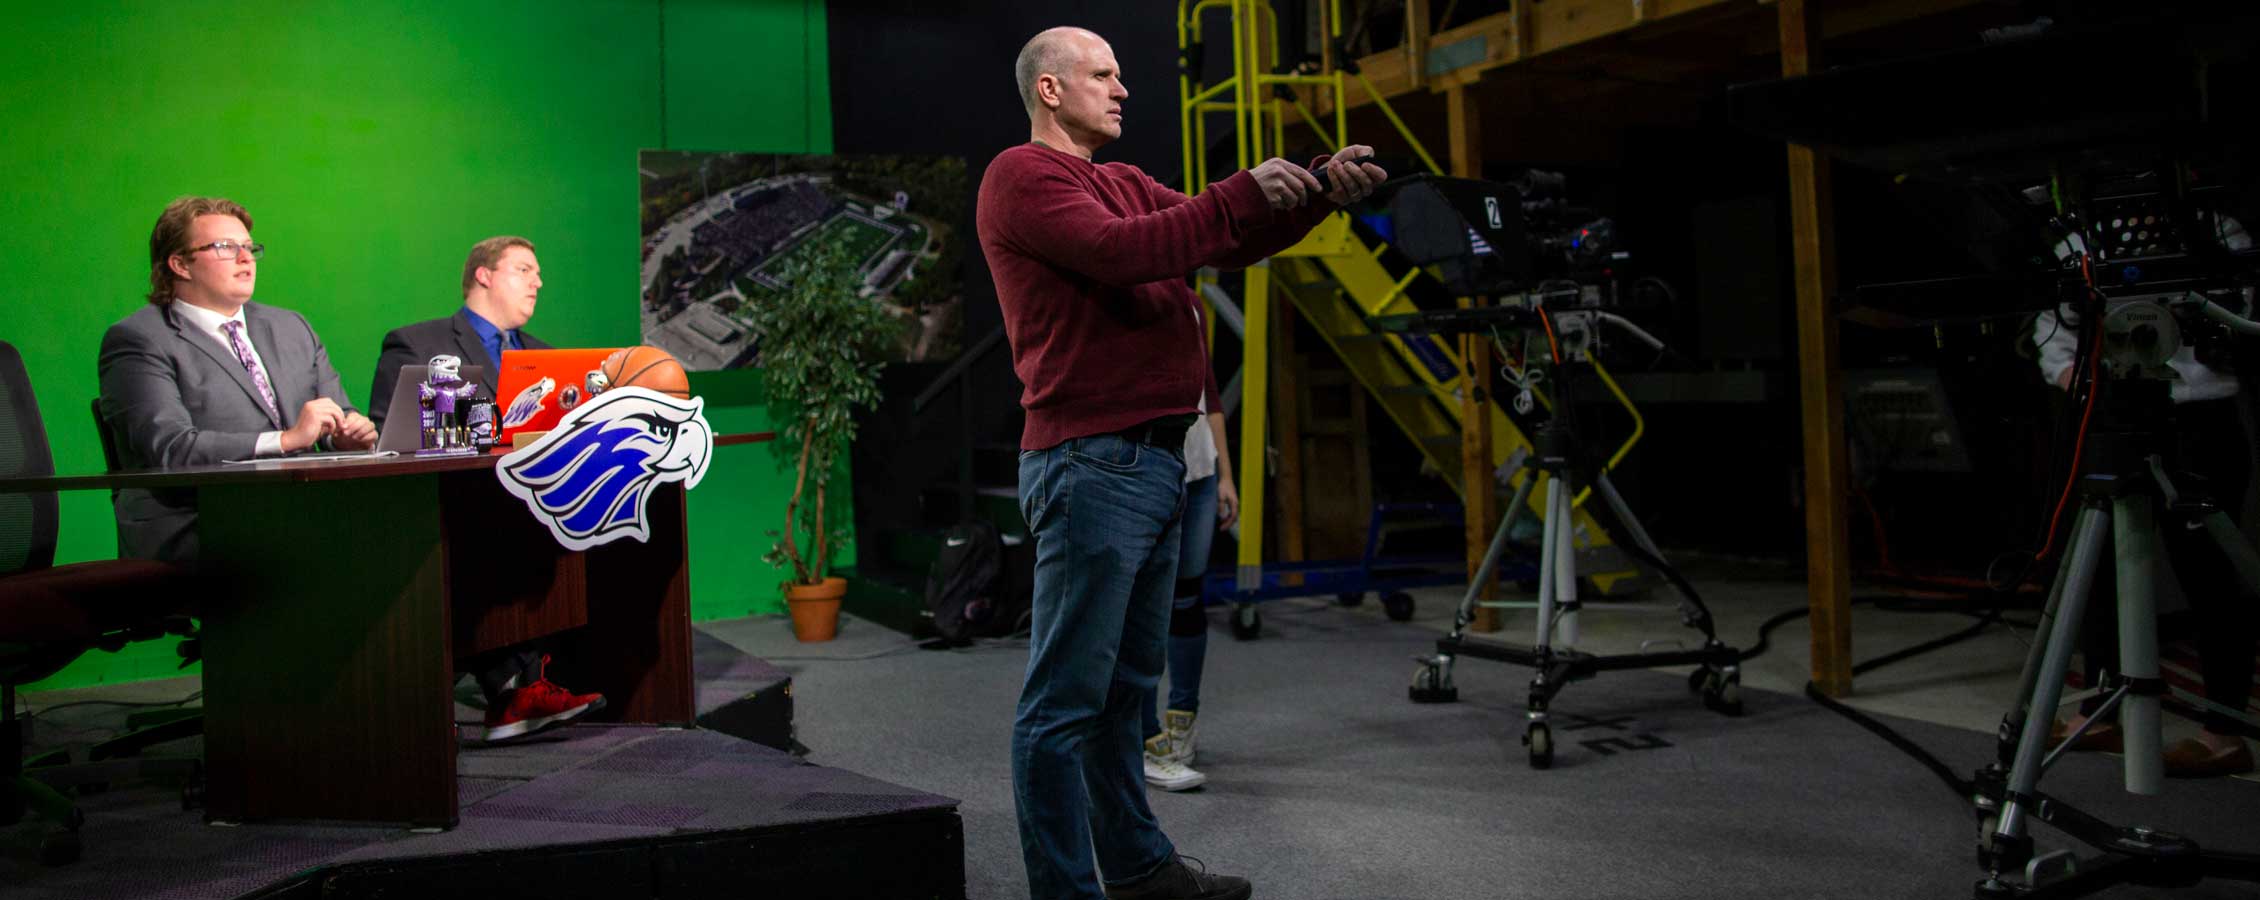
(201, 374)
(501, 284)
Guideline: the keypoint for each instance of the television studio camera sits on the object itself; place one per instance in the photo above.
(2101, 170)
(1549, 267)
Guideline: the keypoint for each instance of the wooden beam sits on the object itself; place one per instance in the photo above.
(1416, 41)
(1463, 132)
(1531, 30)
(1827, 554)
(1465, 137)
(1481, 491)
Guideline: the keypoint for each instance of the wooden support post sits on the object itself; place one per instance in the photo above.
(1463, 132)
(1481, 493)
(1416, 42)
(1465, 135)
(1827, 555)
(1286, 399)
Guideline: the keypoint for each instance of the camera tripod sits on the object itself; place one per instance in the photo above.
(2122, 486)
(1717, 678)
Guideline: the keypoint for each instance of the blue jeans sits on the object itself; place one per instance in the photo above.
(1104, 512)
(1188, 646)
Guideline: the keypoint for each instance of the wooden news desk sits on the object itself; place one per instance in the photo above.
(346, 592)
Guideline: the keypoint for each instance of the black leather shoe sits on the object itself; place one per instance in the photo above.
(1177, 881)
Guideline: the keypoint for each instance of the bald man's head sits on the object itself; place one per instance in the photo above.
(1051, 52)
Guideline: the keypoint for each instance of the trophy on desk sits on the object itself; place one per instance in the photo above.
(443, 401)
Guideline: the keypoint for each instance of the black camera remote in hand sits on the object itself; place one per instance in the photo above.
(1325, 184)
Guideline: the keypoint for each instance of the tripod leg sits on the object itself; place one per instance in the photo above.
(1565, 568)
(1639, 537)
(2011, 724)
(2139, 549)
(1466, 615)
(1549, 567)
(2048, 687)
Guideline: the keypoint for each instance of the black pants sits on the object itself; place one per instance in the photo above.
(495, 668)
(2211, 453)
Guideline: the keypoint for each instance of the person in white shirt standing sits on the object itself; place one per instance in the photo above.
(1209, 497)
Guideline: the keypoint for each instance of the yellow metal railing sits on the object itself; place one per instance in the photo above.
(1259, 121)
(1259, 124)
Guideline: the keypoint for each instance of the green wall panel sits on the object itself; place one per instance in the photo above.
(373, 143)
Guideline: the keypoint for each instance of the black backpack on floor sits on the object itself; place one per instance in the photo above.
(958, 586)
(979, 585)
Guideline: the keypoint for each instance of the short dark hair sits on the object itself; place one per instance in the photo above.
(170, 236)
(484, 253)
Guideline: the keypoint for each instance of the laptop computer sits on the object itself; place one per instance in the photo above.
(535, 388)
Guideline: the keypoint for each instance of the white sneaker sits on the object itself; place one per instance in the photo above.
(1165, 773)
(1179, 725)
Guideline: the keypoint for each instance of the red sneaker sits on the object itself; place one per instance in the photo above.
(538, 707)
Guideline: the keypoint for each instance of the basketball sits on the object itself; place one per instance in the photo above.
(647, 367)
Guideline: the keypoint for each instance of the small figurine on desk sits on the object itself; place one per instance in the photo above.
(443, 428)
(482, 424)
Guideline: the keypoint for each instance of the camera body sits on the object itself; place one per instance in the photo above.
(1493, 238)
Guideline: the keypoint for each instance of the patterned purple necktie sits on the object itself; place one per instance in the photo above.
(251, 365)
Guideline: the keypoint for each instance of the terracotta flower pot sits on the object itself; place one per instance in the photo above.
(816, 608)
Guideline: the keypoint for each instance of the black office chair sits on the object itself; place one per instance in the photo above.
(50, 615)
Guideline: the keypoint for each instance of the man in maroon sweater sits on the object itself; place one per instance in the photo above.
(1090, 264)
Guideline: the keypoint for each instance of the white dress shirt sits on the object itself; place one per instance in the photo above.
(1200, 442)
(212, 325)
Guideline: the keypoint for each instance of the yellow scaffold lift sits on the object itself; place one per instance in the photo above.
(1336, 281)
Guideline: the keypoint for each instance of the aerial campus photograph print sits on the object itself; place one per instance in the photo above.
(720, 229)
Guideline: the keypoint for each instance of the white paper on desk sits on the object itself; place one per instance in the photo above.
(334, 456)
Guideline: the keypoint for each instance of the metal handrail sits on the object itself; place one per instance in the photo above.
(957, 369)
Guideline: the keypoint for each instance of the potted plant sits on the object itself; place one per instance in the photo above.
(822, 346)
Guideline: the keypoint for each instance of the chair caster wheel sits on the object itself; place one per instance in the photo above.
(1247, 624)
(1398, 605)
(1540, 740)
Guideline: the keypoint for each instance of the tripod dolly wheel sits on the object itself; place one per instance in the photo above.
(1431, 685)
(1540, 740)
(1723, 695)
(1399, 606)
(1247, 624)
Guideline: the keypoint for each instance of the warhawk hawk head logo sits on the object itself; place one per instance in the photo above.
(590, 477)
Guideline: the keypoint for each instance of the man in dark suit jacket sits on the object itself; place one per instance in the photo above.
(501, 283)
(201, 374)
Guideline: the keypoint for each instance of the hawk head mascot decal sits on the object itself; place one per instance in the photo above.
(589, 478)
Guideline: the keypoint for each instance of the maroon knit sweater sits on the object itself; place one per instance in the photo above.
(1090, 263)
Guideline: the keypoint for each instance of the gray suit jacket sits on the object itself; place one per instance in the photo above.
(415, 345)
(175, 397)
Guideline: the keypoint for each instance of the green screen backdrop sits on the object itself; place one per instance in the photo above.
(373, 143)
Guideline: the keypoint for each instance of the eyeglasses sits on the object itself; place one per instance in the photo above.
(228, 249)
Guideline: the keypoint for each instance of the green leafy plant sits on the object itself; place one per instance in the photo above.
(822, 347)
